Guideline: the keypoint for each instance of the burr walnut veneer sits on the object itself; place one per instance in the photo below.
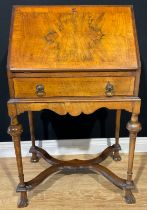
(73, 59)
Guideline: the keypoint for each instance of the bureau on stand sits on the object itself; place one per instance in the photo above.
(73, 59)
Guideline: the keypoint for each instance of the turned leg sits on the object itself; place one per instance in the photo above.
(116, 155)
(15, 130)
(134, 127)
(34, 157)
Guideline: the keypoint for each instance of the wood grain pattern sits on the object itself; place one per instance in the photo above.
(74, 107)
(86, 86)
(72, 37)
(71, 59)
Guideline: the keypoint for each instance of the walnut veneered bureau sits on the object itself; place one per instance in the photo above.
(73, 59)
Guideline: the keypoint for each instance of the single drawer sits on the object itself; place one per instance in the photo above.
(81, 86)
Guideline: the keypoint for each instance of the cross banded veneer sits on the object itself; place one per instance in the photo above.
(73, 59)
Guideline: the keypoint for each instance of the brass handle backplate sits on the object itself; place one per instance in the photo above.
(109, 89)
(40, 90)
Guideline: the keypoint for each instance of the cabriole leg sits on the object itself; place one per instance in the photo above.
(34, 157)
(116, 155)
(15, 130)
(134, 127)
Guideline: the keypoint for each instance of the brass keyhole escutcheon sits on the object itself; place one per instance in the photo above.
(109, 89)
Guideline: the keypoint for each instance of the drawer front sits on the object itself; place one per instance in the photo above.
(82, 86)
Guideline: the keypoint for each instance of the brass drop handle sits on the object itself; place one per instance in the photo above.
(109, 89)
(40, 90)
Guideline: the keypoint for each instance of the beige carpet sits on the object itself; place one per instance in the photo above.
(81, 191)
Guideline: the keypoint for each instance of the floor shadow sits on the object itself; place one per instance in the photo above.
(56, 176)
(8, 172)
(140, 171)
